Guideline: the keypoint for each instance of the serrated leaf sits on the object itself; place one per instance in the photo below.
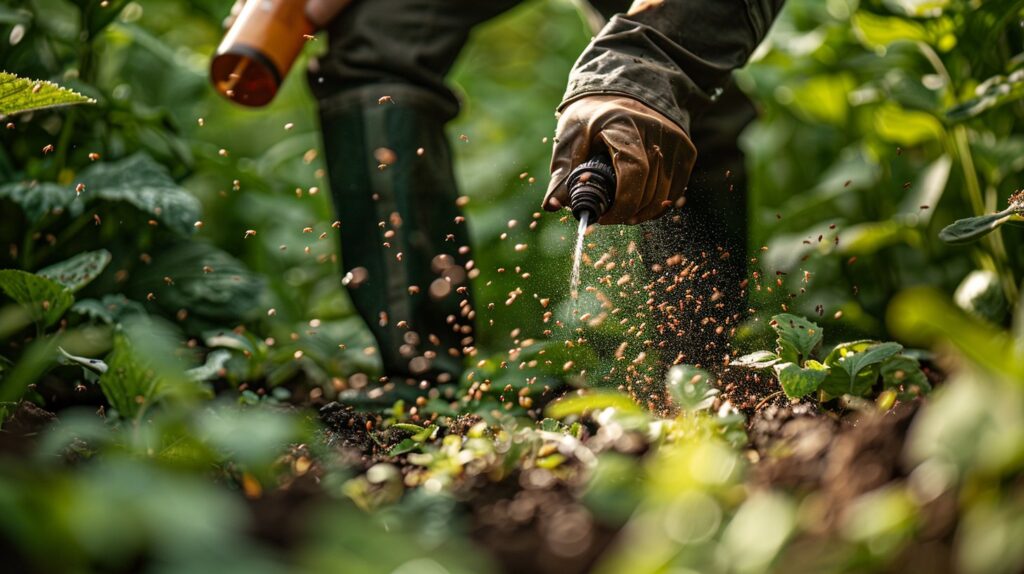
(691, 388)
(78, 271)
(19, 94)
(128, 384)
(973, 228)
(45, 300)
(756, 360)
(110, 310)
(797, 337)
(798, 382)
(37, 200)
(904, 373)
(142, 182)
(207, 281)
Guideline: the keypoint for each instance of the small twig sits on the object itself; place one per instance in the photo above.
(766, 399)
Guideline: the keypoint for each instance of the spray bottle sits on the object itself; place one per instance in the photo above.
(259, 49)
(592, 188)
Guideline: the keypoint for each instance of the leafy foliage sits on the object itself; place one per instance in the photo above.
(45, 300)
(78, 271)
(145, 184)
(22, 95)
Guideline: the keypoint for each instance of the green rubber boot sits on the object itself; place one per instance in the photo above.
(404, 245)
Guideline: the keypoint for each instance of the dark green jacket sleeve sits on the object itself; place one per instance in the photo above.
(673, 55)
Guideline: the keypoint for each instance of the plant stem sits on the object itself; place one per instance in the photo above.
(994, 241)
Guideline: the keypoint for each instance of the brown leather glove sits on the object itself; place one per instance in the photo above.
(651, 154)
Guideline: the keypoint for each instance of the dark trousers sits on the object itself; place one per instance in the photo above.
(401, 50)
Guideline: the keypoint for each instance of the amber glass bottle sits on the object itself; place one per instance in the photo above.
(259, 49)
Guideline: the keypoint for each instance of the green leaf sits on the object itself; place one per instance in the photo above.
(145, 184)
(593, 400)
(854, 373)
(22, 94)
(691, 388)
(207, 281)
(797, 337)
(37, 200)
(210, 370)
(407, 445)
(111, 309)
(971, 229)
(757, 360)
(799, 382)
(923, 316)
(129, 384)
(904, 373)
(981, 295)
(992, 93)
(78, 271)
(877, 32)
(45, 300)
(906, 127)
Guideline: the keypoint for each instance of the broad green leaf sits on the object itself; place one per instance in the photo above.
(691, 388)
(981, 295)
(877, 32)
(906, 127)
(992, 93)
(593, 400)
(78, 271)
(799, 382)
(843, 349)
(918, 8)
(856, 372)
(824, 98)
(756, 360)
(129, 383)
(797, 337)
(973, 228)
(198, 276)
(22, 94)
(870, 237)
(923, 316)
(903, 372)
(45, 300)
(145, 184)
(110, 310)
(37, 200)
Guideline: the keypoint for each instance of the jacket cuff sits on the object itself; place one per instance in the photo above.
(634, 60)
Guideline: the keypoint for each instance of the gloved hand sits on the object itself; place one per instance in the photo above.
(651, 154)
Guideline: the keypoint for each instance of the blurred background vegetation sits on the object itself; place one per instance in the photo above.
(881, 122)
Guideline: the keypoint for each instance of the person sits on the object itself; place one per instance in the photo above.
(653, 87)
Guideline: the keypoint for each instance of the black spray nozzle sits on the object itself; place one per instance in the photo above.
(592, 187)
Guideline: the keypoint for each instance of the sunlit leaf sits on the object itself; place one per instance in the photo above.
(906, 127)
(799, 382)
(877, 32)
(590, 401)
(22, 95)
(797, 337)
(756, 360)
